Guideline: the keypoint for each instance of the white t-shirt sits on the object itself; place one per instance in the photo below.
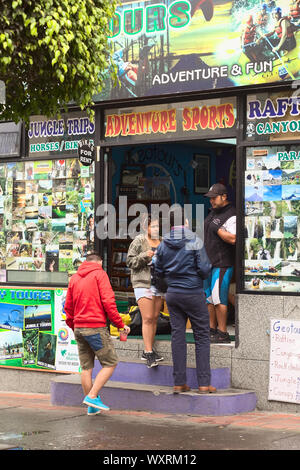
(230, 225)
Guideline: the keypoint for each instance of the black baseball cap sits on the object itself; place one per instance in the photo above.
(216, 190)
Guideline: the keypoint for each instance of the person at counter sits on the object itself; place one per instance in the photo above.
(219, 242)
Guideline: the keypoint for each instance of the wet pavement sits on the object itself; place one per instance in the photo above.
(30, 422)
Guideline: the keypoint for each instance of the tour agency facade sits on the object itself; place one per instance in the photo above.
(192, 108)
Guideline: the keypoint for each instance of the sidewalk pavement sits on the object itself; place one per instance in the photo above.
(31, 422)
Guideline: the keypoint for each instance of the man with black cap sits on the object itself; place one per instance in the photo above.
(219, 242)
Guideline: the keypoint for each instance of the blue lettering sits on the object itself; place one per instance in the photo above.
(276, 326)
(282, 104)
(254, 110)
(269, 110)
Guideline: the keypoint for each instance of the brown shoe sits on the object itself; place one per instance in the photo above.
(181, 388)
(209, 389)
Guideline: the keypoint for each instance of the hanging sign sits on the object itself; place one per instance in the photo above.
(86, 152)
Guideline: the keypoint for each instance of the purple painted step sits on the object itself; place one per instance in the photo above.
(137, 372)
(67, 391)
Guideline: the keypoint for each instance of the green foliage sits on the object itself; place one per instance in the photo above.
(53, 52)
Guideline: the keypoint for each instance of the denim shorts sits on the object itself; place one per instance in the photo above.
(148, 293)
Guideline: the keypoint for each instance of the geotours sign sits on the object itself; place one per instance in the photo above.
(274, 116)
(55, 136)
(208, 118)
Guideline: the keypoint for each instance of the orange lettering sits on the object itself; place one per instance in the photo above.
(155, 122)
(187, 122)
(140, 123)
(163, 122)
(148, 117)
(172, 120)
(131, 122)
(117, 125)
(212, 117)
(195, 118)
(230, 115)
(204, 117)
(109, 126)
(221, 111)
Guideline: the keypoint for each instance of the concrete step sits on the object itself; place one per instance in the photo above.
(136, 371)
(67, 391)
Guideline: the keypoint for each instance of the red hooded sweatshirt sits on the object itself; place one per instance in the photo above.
(90, 299)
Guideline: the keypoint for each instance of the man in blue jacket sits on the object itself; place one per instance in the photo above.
(182, 262)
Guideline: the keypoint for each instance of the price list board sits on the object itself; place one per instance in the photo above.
(284, 375)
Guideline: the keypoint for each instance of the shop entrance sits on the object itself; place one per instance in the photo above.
(178, 172)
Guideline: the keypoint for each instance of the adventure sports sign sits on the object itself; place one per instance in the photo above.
(275, 117)
(203, 118)
(179, 46)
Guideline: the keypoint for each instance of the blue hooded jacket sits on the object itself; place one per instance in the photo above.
(182, 260)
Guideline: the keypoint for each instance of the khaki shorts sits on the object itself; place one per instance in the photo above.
(93, 342)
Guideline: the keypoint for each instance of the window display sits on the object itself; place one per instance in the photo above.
(272, 219)
(46, 217)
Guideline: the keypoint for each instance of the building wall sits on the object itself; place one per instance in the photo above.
(251, 359)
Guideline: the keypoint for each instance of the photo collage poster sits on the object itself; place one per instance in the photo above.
(272, 220)
(46, 215)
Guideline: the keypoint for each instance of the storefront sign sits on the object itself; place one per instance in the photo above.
(288, 156)
(284, 377)
(58, 136)
(180, 46)
(211, 118)
(274, 117)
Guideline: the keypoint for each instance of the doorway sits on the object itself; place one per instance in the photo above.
(174, 172)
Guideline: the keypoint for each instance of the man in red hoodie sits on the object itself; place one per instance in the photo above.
(89, 302)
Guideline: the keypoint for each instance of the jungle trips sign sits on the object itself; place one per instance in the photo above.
(192, 45)
(208, 118)
(275, 117)
(59, 136)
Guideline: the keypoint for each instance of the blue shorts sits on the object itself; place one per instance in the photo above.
(216, 286)
(149, 292)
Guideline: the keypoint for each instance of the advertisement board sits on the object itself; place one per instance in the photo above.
(33, 332)
(192, 45)
(284, 372)
(273, 116)
(192, 120)
(46, 219)
(272, 219)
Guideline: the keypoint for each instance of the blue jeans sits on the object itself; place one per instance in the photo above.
(192, 306)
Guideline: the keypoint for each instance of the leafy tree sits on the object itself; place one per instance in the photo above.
(52, 52)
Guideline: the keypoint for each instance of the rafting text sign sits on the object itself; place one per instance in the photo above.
(193, 45)
(284, 376)
(273, 116)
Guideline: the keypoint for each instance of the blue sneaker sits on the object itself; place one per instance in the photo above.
(93, 411)
(95, 403)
